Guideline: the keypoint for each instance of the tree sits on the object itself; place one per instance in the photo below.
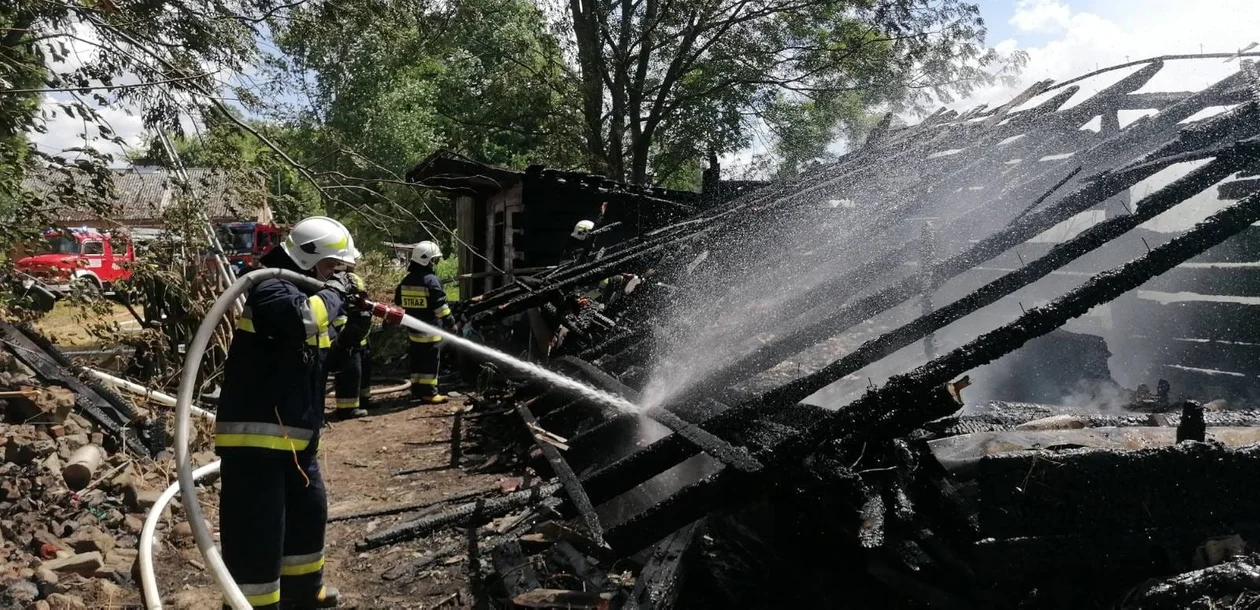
(394, 79)
(663, 81)
(385, 82)
(166, 61)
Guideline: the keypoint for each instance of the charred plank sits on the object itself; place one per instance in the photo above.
(572, 486)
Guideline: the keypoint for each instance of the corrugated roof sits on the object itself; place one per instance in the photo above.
(142, 195)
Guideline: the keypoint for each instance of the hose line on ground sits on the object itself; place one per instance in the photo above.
(148, 579)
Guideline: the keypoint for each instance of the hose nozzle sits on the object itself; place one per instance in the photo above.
(389, 314)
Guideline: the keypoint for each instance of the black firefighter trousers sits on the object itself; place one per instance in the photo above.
(424, 359)
(352, 384)
(272, 512)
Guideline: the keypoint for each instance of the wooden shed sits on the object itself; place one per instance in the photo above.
(512, 221)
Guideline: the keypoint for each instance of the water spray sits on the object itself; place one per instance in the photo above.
(389, 314)
(392, 314)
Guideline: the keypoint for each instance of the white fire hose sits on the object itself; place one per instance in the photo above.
(184, 410)
(148, 579)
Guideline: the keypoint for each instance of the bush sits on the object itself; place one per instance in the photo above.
(380, 274)
(447, 269)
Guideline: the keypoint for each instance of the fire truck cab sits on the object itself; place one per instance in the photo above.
(244, 242)
(82, 254)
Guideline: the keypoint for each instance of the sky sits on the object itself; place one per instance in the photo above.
(1063, 38)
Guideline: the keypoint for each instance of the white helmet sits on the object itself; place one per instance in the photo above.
(317, 238)
(425, 253)
(583, 228)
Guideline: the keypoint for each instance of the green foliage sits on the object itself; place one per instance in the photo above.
(387, 82)
(380, 274)
(663, 82)
(446, 270)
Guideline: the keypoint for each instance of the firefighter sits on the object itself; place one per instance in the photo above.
(421, 295)
(352, 384)
(611, 289)
(581, 243)
(273, 505)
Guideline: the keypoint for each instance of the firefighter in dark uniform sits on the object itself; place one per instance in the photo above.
(581, 244)
(273, 505)
(422, 296)
(352, 384)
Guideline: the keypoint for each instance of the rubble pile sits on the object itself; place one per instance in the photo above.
(72, 500)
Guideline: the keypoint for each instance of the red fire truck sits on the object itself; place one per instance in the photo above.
(244, 242)
(83, 254)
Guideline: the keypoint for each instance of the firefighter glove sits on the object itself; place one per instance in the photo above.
(342, 283)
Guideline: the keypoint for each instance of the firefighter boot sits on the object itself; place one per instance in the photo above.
(344, 414)
(328, 597)
(427, 394)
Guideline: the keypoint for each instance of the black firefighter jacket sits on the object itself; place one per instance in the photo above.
(273, 388)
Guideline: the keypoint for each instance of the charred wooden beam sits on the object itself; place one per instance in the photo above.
(514, 569)
(410, 507)
(1060, 255)
(659, 583)
(516, 298)
(1191, 427)
(700, 438)
(562, 598)
(903, 403)
(412, 566)
(871, 528)
(567, 555)
(98, 403)
(1180, 591)
(572, 486)
(464, 513)
(1025, 227)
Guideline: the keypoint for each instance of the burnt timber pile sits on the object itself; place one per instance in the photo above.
(737, 492)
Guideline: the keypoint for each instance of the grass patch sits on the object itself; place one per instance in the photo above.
(67, 323)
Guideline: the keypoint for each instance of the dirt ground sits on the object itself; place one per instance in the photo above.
(359, 458)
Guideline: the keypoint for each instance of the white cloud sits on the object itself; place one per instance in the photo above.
(1041, 15)
(65, 132)
(1073, 42)
(1131, 30)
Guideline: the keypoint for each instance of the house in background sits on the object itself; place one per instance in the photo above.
(514, 221)
(143, 195)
